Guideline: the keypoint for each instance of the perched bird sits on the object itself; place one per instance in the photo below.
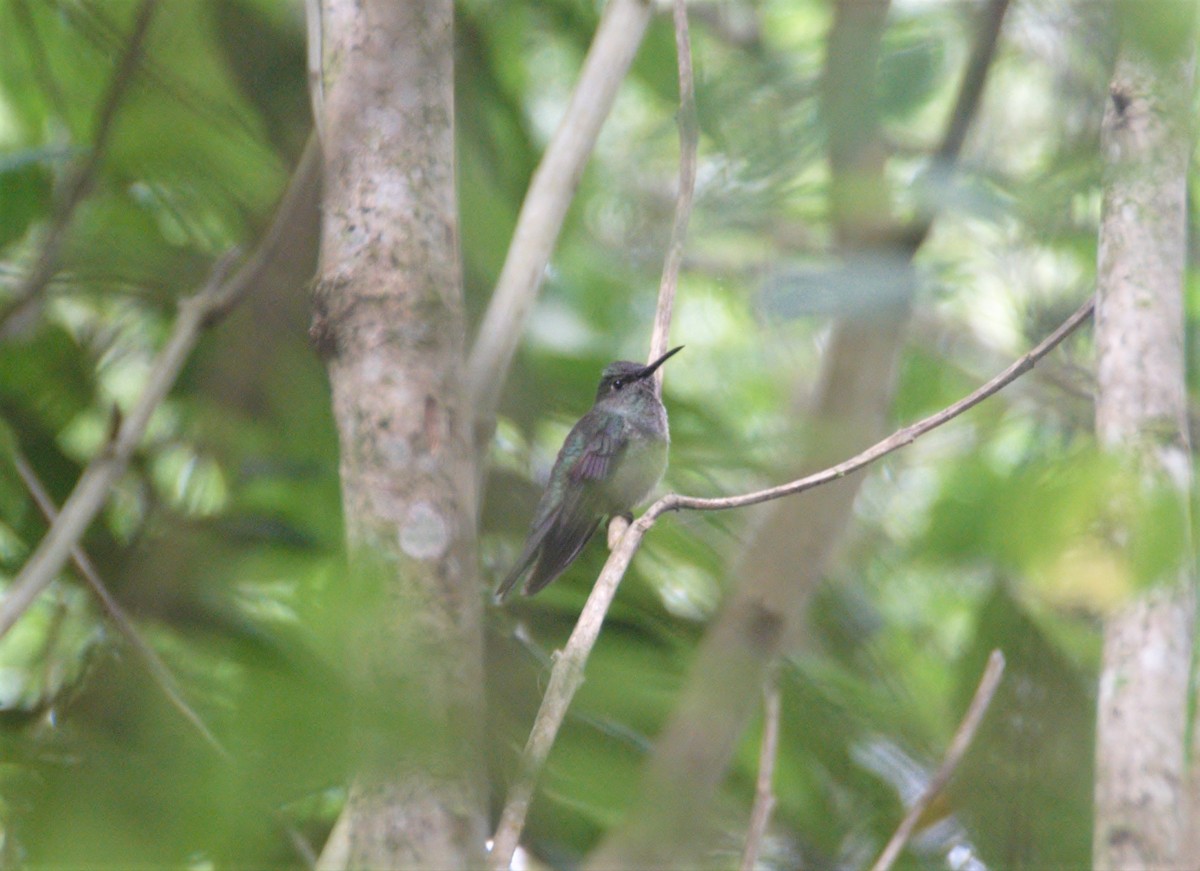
(611, 460)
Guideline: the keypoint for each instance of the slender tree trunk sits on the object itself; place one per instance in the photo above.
(389, 321)
(1141, 411)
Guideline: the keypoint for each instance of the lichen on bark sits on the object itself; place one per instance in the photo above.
(388, 320)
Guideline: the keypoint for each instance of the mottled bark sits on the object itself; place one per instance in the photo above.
(1141, 409)
(389, 323)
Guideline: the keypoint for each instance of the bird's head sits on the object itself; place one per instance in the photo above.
(624, 375)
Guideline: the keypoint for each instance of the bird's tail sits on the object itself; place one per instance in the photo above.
(510, 580)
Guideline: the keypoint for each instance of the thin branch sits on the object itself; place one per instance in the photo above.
(158, 669)
(974, 78)
(97, 480)
(962, 739)
(617, 38)
(79, 174)
(897, 440)
(970, 92)
(565, 677)
(196, 314)
(688, 139)
(764, 791)
(567, 674)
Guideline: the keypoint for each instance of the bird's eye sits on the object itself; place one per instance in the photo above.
(618, 384)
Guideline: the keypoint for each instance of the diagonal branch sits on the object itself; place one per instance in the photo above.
(962, 739)
(158, 669)
(970, 92)
(97, 480)
(897, 440)
(567, 674)
(80, 172)
(197, 313)
(975, 77)
(550, 193)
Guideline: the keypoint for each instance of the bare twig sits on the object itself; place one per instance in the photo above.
(196, 314)
(974, 78)
(565, 678)
(550, 193)
(567, 674)
(79, 174)
(158, 669)
(94, 485)
(898, 439)
(954, 754)
(764, 791)
(688, 139)
(970, 92)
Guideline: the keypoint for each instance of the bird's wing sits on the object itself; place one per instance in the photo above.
(591, 448)
(599, 450)
(571, 508)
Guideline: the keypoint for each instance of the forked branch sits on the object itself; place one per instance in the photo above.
(567, 674)
(568, 671)
(220, 293)
(162, 675)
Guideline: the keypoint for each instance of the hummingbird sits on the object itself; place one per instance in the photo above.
(610, 461)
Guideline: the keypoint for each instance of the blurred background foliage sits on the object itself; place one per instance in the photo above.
(223, 540)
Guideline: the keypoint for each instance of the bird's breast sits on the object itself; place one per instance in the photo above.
(637, 472)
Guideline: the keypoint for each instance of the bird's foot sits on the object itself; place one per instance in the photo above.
(617, 527)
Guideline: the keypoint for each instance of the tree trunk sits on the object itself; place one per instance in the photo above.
(389, 322)
(1141, 411)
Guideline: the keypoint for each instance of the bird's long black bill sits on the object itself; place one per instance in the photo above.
(647, 371)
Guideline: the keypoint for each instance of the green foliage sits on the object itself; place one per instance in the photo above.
(25, 192)
(223, 540)
(1025, 787)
